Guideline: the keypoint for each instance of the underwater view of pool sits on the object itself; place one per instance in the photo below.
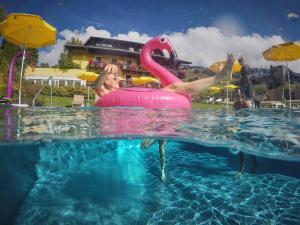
(85, 166)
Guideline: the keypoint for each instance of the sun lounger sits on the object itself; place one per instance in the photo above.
(78, 100)
(273, 104)
(211, 100)
(219, 100)
(5, 101)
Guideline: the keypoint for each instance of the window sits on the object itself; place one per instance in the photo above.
(106, 45)
(114, 60)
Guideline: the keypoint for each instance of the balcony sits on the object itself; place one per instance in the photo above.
(132, 68)
(94, 64)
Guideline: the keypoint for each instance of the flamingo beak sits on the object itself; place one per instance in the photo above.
(173, 58)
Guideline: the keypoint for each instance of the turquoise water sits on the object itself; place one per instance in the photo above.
(85, 166)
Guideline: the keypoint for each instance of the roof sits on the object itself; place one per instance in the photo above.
(113, 47)
(93, 40)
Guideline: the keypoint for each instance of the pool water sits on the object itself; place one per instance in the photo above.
(85, 166)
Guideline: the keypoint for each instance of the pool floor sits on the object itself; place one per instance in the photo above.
(117, 183)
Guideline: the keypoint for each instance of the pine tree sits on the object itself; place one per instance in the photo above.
(65, 62)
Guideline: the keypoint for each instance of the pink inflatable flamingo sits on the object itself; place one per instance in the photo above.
(146, 97)
(164, 75)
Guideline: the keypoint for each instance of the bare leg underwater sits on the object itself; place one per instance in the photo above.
(149, 142)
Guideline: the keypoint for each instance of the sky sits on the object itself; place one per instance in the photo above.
(202, 32)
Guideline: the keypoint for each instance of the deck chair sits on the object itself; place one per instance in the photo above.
(211, 100)
(219, 100)
(226, 100)
(5, 101)
(78, 100)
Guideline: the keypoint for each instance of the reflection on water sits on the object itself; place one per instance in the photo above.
(269, 133)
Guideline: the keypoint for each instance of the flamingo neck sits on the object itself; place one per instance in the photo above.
(160, 72)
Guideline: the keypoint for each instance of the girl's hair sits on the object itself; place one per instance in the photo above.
(100, 81)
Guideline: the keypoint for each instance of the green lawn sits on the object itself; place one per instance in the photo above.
(200, 105)
(59, 101)
(56, 101)
(67, 101)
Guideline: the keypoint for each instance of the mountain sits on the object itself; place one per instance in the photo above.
(273, 76)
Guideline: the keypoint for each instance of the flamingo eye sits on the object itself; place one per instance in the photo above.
(162, 39)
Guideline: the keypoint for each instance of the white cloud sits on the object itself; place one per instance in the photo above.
(292, 16)
(201, 45)
(229, 25)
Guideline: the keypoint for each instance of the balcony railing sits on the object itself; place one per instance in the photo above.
(129, 68)
(125, 67)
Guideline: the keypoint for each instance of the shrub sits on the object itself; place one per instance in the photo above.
(2, 90)
(261, 89)
(68, 91)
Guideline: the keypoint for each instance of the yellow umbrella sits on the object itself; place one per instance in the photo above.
(231, 86)
(218, 66)
(143, 80)
(289, 51)
(27, 30)
(283, 52)
(213, 88)
(88, 76)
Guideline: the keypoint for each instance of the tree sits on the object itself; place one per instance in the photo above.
(6, 54)
(34, 55)
(74, 41)
(65, 62)
(44, 65)
(2, 13)
(9, 50)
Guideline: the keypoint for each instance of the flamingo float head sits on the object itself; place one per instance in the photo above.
(161, 43)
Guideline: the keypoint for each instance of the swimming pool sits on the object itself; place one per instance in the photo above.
(85, 166)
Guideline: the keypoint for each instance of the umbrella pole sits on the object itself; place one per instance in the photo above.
(290, 93)
(51, 92)
(22, 67)
(227, 94)
(21, 74)
(227, 89)
(88, 92)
